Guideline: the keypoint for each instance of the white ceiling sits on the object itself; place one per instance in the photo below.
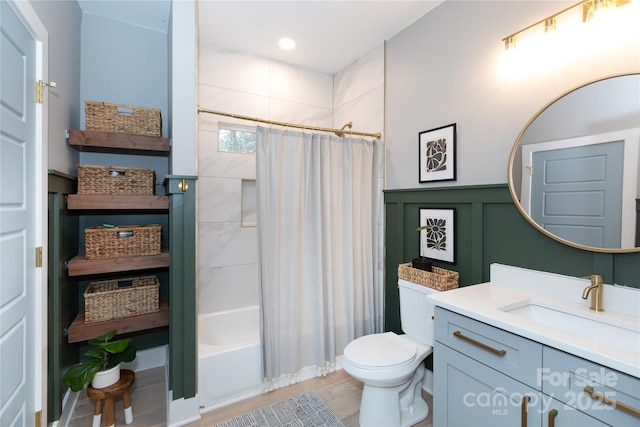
(330, 34)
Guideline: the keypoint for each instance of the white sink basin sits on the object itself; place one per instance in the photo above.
(616, 330)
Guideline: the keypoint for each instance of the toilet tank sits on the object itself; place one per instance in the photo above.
(416, 311)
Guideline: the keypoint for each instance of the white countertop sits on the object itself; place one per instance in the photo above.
(511, 285)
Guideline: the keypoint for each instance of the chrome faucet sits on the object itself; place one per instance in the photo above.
(596, 292)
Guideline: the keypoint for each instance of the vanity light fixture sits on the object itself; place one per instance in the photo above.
(286, 43)
(550, 25)
(509, 42)
(590, 8)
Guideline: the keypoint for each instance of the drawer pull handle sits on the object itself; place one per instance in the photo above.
(523, 410)
(609, 401)
(490, 349)
(552, 417)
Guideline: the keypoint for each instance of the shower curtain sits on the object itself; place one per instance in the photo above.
(319, 207)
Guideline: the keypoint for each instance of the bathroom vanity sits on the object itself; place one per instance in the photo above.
(525, 349)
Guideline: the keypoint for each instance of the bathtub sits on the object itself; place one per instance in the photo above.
(229, 357)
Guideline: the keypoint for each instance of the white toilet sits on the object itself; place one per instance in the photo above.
(391, 365)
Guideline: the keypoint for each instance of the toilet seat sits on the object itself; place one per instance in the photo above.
(380, 351)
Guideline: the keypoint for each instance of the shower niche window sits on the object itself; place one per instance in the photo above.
(234, 138)
(249, 203)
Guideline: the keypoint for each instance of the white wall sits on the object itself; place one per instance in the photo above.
(359, 98)
(182, 86)
(237, 83)
(62, 20)
(445, 69)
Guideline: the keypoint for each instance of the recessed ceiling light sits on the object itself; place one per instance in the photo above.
(286, 44)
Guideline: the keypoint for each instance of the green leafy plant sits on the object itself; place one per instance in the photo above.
(422, 262)
(104, 354)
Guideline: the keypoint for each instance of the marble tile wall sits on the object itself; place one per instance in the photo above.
(234, 82)
(359, 98)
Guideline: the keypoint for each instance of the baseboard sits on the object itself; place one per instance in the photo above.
(68, 408)
(182, 411)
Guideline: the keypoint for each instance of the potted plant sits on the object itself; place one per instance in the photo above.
(103, 359)
(422, 262)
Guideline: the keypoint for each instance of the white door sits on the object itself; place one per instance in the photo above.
(19, 360)
(576, 193)
(583, 175)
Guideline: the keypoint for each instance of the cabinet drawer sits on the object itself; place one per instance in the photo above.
(511, 354)
(581, 384)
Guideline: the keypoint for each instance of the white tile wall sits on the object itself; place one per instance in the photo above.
(211, 163)
(219, 199)
(232, 70)
(238, 83)
(360, 77)
(226, 288)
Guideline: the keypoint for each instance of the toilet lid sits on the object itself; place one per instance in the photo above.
(380, 350)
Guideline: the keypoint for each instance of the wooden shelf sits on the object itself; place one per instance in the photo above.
(81, 331)
(78, 266)
(95, 201)
(85, 140)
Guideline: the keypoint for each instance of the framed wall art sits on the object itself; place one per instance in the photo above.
(437, 154)
(438, 240)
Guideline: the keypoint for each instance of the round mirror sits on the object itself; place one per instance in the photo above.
(573, 171)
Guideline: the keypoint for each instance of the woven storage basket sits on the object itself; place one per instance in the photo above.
(122, 241)
(113, 299)
(117, 118)
(116, 180)
(438, 278)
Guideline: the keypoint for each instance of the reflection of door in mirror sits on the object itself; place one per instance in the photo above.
(600, 112)
(584, 189)
(574, 189)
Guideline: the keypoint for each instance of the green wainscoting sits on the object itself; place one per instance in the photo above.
(489, 229)
(62, 299)
(183, 346)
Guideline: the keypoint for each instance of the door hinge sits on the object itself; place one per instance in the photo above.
(38, 420)
(39, 256)
(39, 89)
(530, 170)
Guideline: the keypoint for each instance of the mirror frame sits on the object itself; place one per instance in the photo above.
(514, 195)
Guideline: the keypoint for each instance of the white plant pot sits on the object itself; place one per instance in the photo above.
(106, 378)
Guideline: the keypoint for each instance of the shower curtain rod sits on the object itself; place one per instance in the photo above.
(339, 132)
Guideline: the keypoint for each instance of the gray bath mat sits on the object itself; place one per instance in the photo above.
(306, 409)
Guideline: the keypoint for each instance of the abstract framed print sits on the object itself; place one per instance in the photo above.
(437, 154)
(437, 241)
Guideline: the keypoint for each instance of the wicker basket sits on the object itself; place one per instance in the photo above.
(122, 241)
(116, 180)
(117, 118)
(113, 299)
(438, 278)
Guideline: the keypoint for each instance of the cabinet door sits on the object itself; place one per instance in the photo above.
(557, 414)
(603, 393)
(469, 393)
